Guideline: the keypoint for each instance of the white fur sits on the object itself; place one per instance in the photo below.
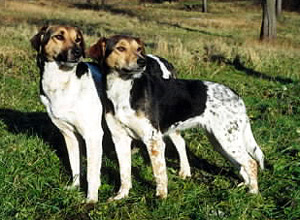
(74, 107)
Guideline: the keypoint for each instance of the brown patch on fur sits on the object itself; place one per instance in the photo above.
(253, 167)
(153, 148)
(154, 152)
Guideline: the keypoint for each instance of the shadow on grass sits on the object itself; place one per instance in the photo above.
(238, 65)
(199, 164)
(133, 14)
(39, 124)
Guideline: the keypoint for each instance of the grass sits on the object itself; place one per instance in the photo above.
(220, 46)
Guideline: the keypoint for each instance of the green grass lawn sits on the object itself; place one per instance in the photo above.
(220, 46)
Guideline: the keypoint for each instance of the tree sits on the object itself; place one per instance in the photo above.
(278, 7)
(268, 25)
(204, 6)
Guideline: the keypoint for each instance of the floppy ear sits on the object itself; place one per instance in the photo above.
(36, 40)
(82, 43)
(142, 45)
(97, 51)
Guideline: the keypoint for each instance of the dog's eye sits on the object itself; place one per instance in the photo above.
(121, 49)
(77, 40)
(59, 37)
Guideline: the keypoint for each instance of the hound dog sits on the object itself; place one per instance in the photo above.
(70, 91)
(148, 107)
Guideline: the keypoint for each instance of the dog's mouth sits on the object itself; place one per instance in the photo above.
(132, 71)
(129, 73)
(137, 68)
(69, 57)
(69, 64)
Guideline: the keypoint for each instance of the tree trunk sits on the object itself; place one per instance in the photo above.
(268, 25)
(204, 6)
(278, 7)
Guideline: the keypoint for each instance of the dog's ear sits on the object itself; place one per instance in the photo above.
(36, 40)
(140, 42)
(82, 43)
(97, 51)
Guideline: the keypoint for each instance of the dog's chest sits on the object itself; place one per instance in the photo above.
(118, 91)
(62, 90)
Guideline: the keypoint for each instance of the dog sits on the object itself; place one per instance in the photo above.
(148, 107)
(70, 91)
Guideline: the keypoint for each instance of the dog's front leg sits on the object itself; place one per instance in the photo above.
(156, 149)
(72, 144)
(94, 160)
(122, 144)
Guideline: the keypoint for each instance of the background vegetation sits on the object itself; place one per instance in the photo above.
(220, 46)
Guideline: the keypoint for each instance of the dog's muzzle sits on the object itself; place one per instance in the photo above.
(77, 52)
(70, 56)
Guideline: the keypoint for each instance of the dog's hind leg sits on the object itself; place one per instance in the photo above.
(178, 141)
(234, 150)
(122, 144)
(251, 145)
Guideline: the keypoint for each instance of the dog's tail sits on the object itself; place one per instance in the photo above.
(252, 147)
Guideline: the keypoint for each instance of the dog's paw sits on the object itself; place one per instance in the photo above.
(162, 193)
(183, 174)
(253, 189)
(117, 197)
(91, 200)
(72, 187)
(121, 195)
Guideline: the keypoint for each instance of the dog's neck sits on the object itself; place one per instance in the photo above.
(55, 67)
(54, 72)
(124, 75)
(64, 66)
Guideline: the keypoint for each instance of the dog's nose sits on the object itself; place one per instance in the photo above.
(77, 52)
(141, 62)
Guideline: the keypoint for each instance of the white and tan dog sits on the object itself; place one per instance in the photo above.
(70, 91)
(146, 106)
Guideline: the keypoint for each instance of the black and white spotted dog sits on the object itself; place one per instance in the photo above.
(70, 92)
(145, 106)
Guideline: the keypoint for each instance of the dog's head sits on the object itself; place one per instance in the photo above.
(124, 54)
(64, 45)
